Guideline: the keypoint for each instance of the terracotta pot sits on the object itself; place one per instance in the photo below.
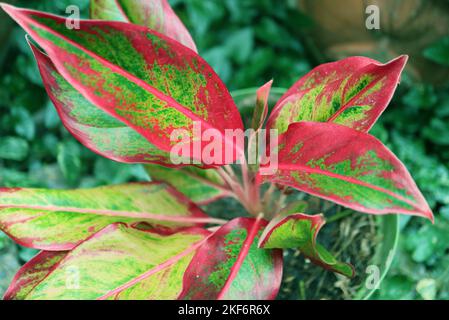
(406, 27)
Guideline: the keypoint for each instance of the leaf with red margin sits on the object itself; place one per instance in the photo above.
(348, 167)
(299, 230)
(155, 14)
(155, 85)
(112, 264)
(32, 273)
(352, 92)
(229, 265)
(57, 220)
(261, 109)
(94, 128)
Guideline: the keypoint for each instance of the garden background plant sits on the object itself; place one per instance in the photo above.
(27, 117)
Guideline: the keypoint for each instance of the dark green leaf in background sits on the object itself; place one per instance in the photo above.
(439, 52)
(13, 148)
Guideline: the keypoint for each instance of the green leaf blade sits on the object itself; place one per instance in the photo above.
(156, 86)
(202, 186)
(31, 274)
(300, 231)
(93, 127)
(115, 261)
(58, 220)
(349, 167)
(352, 92)
(230, 265)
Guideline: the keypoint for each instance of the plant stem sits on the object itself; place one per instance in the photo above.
(230, 171)
(245, 176)
(268, 194)
(236, 188)
(279, 203)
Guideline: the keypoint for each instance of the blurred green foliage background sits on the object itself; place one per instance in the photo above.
(248, 42)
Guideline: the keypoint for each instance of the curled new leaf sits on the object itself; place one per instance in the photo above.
(229, 265)
(156, 86)
(352, 92)
(32, 273)
(300, 231)
(202, 186)
(261, 108)
(349, 167)
(60, 219)
(155, 14)
(112, 264)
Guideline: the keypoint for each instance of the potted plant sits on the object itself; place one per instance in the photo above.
(143, 95)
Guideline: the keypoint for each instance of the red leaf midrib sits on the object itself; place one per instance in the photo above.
(114, 213)
(155, 269)
(184, 110)
(241, 257)
(305, 169)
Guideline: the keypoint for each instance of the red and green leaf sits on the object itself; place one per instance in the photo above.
(229, 265)
(202, 186)
(142, 78)
(348, 167)
(352, 92)
(58, 220)
(155, 14)
(119, 262)
(261, 108)
(300, 231)
(32, 273)
(93, 127)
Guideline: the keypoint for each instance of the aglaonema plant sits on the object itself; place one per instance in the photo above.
(124, 89)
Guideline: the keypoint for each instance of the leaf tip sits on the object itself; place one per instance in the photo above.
(400, 62)
(426, 212)
(7, 7)
(351, 274)
(429, 215)
(266, 86)
(403, 57)
(12, 11)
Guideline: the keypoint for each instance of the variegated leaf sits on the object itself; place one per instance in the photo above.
(60, 219)
(93, 127)
(155, 14)
(261, 108)
(32, 273)
(229, 265)
(143, 79)
(353, 92)
(300, 231)
(348, 167)
(202, 186)
(119, 262)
